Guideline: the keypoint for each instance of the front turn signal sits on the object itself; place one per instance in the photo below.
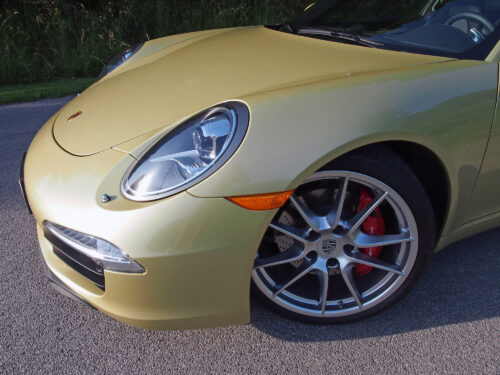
(262, 202)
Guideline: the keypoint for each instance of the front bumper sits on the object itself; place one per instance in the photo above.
(21, 183)
(197, 252)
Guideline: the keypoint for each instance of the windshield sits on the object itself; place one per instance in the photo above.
(452, 28)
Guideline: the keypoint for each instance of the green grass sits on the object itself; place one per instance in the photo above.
(34, 91)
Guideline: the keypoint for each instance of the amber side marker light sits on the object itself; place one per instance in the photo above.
(262, 202)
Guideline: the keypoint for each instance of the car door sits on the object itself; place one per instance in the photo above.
(486, 197)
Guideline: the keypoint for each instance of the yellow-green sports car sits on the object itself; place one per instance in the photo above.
(318, 163)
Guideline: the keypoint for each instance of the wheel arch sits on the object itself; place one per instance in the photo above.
(429, 168)
(431, 172)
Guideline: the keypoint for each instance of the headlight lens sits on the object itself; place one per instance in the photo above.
(118, 60)
(187, 154)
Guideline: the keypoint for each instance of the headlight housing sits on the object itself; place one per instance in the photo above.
(187, 154)
(118, 60)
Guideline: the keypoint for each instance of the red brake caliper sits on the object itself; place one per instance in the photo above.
(374, 225)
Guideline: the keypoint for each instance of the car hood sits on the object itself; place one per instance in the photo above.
(172, 78)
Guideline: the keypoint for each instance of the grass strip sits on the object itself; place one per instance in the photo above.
(40, 90)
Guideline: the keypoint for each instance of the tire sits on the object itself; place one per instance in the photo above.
(312, 263)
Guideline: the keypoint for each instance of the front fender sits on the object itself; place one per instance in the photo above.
(445, 107)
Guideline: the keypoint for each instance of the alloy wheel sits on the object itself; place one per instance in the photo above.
(308, 259)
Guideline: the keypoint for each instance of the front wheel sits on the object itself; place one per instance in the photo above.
(350, 241)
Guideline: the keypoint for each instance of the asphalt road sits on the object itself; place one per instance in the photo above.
(449, 324)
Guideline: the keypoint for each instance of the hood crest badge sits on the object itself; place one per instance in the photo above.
(74, 115)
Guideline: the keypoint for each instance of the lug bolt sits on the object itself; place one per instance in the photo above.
(348, 248)
(338, 230)
(332, 263)
(312, 256)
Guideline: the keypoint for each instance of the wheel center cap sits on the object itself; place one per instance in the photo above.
(329, 246)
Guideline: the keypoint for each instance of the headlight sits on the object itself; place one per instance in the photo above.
(187, 154)
(118, 60)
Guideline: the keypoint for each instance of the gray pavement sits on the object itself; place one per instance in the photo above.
(449, 324)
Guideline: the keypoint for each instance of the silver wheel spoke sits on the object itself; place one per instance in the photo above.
(300, 272)
(294, 233)
(338, 204)
(364, 240)
(355, 222)
(362, 258)
(313, 220)
(292, 254)
(351, 285)
(323, 278)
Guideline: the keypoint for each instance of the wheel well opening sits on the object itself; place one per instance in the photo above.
(429, 170)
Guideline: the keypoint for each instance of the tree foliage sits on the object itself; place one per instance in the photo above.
(47, 39)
